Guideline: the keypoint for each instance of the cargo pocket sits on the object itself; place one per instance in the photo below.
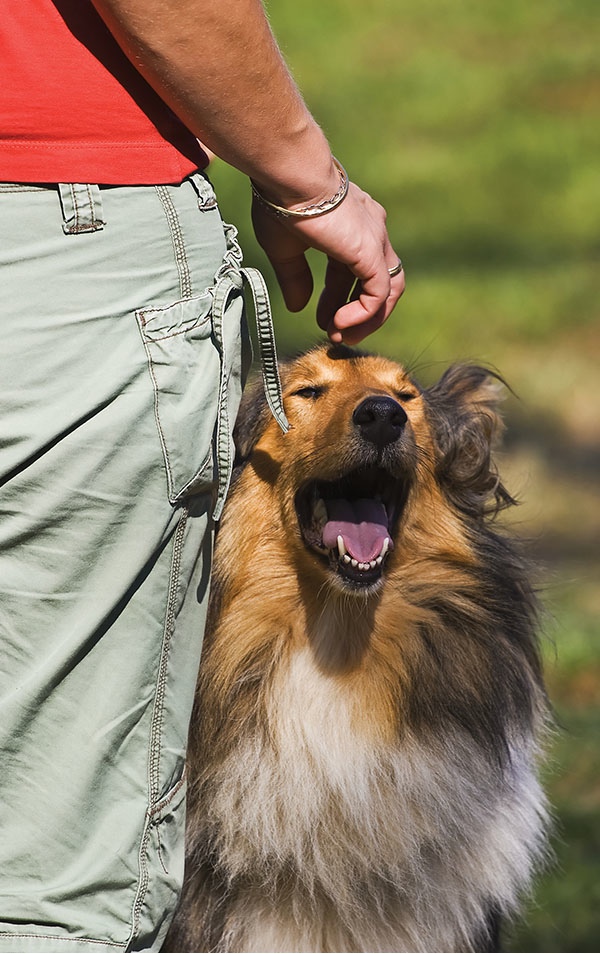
(199, 354)
(185, 367)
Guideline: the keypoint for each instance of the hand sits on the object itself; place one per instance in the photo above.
(354, 237)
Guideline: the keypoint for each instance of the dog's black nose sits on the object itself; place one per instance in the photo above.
(380, 419)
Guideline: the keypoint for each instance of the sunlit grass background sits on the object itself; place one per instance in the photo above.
(477, 124)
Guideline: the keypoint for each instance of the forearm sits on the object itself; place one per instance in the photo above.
(216, 64)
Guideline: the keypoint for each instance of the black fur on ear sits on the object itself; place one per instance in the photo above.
(253, 417)
(463, 410)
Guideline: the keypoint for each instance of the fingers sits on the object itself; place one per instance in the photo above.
(352, 328)
(371, 301)
(295, 280)
(339, 281)
(359, 254)
(285, 251)
(359, 296)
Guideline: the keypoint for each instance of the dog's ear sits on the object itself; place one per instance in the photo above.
(251, 421)
(254, 415)
(463, 409)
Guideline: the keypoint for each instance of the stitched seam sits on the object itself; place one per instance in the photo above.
(267, 346)
(14, 187)
(169, 629)
(155, 731)
(76, 226)
(72, 940)
(174, 497)
(183, 270)
(222, 435)
(173, 334)
(143, 884)
(155, 734)
(82, 223)
(197, 476)
(93, 218)
(19, 141)
(161, 436)
(224, 448)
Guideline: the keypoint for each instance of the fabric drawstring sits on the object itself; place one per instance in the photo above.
(230, 281)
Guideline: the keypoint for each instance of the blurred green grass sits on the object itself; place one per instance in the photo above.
(477, 125)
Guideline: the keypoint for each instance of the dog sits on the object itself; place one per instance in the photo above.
(363, 768)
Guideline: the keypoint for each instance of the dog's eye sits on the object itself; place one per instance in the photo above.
(311, 393)
(406, 395)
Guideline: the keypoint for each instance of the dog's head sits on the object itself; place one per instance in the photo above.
(372, 460)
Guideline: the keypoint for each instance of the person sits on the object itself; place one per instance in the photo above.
(123, 358)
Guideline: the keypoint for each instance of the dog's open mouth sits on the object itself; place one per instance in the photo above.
(351, 522)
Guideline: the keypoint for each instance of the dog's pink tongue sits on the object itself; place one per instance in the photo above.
(361, 523)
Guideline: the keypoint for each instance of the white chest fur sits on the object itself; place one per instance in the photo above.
(406, 842)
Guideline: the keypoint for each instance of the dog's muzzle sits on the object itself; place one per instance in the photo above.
(351, 521)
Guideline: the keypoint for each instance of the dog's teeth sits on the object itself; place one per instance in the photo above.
(385, 547)
(373, 564)
(347, 558)
(341, 545)
(320, 511)
(379, 561)
(354, 562)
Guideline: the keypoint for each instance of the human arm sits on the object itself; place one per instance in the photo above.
(219, 68)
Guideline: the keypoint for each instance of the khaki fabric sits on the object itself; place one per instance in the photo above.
(116, 390)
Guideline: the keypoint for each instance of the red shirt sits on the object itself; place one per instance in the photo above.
(74, 109)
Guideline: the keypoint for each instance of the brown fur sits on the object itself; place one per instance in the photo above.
(362, 755)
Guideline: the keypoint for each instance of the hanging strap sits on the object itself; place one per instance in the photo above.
(266, 345)
(230, 281)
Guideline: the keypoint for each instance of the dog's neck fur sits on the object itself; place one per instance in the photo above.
(361, 814)
(339, 630)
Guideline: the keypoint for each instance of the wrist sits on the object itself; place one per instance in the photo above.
(298, 173)
(311, 209)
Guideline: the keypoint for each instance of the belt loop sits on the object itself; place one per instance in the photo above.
(207, 199)
(81, 206)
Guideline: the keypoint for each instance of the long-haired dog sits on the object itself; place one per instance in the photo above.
(363, 751)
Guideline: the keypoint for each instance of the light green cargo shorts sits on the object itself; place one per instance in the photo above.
(122, 354)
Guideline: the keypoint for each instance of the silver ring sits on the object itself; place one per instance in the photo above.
(396, 269)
